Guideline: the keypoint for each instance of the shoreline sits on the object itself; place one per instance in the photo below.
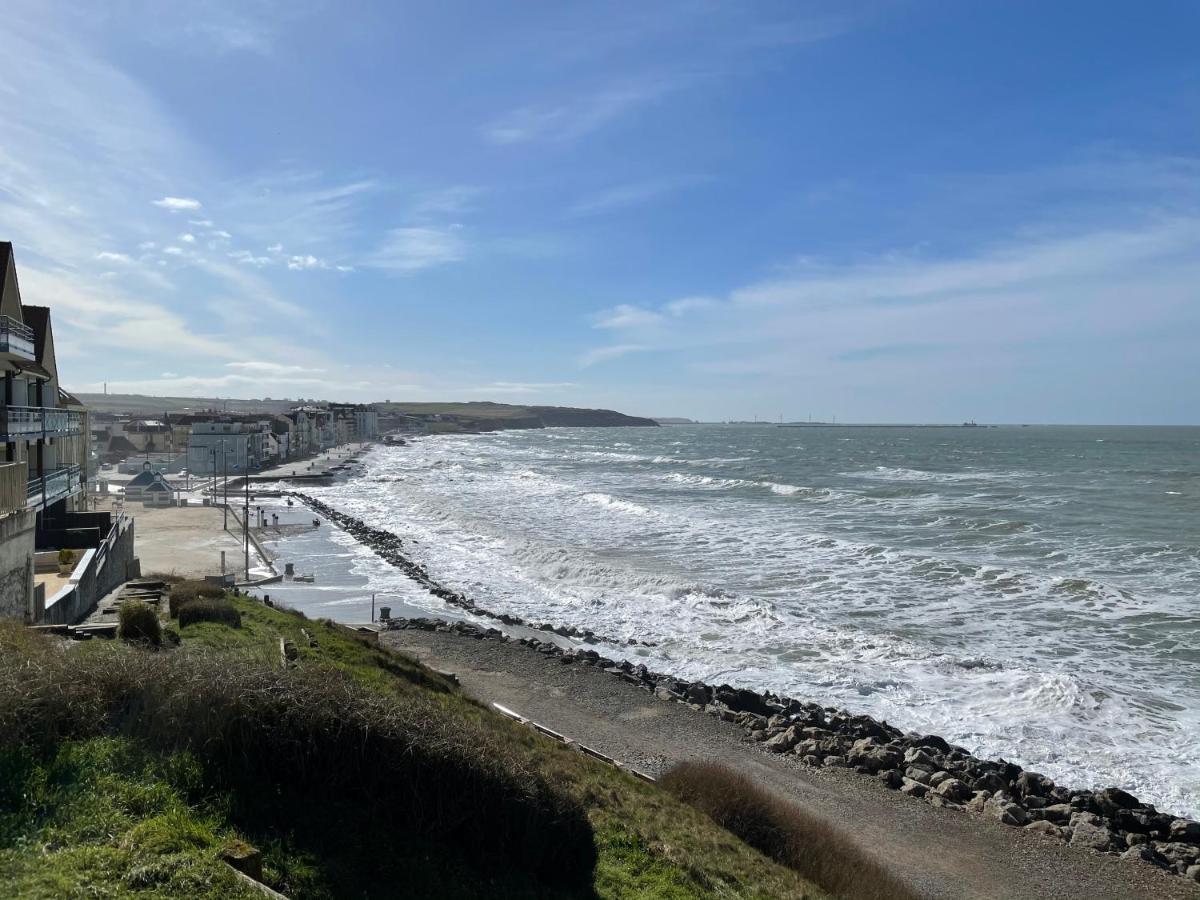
(942, 854)
(923, 766)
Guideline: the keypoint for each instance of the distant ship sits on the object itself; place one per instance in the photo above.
(971, 424)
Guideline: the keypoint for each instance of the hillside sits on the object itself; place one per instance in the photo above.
(356, 772)
(466, 416)
(487, 416)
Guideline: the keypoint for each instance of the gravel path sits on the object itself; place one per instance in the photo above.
(943, 853)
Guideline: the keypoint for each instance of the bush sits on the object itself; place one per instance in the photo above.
(186, 591)
(781, 830)
(209, 611)
(66, 557)
(138, 621)
(309, 747)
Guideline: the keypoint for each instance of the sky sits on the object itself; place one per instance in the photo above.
(879, 211)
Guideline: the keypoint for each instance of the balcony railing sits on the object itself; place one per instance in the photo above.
(53, 485)
(16, 338)
(33, 421)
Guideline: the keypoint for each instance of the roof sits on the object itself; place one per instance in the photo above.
(24, 367)
(143, 477)
(38, 318)
(120, 443)
(158, 485)
(66, 398)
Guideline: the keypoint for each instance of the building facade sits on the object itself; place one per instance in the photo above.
(43, 426)
(221, 446)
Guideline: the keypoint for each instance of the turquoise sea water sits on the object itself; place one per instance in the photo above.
(1032, 593)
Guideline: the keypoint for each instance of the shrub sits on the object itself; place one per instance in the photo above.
(309, 747)
(66, 556)
(209, 611)
(186, 591)
(781, 830)
(138, 621)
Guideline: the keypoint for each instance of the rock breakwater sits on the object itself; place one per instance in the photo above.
(390, 548)
(923, 766)
(926, 767)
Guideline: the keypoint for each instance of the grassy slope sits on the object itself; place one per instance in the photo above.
(103, 815)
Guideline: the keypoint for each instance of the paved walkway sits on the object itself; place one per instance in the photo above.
(944, 854)
(188, 541)
(316, 465)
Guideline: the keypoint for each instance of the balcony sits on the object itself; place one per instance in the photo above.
(31, 422)
(53, 485)
(16, 338)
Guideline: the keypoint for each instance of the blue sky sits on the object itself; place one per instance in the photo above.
(908, 211)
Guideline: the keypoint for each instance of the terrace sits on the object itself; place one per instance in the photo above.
(16, 338)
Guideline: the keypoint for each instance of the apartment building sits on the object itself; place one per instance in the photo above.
(43, 426)
(43, 476)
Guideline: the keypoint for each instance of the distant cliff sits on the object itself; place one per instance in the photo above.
(485, 416)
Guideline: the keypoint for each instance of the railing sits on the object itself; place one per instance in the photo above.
(16, 338)
(53, 485)
(19, 421)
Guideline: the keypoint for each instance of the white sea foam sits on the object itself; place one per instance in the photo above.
(994, 602)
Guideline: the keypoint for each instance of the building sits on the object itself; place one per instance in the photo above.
(223, 445)
(147, 482)
(355, 422)
(43, 426)
(44, 476)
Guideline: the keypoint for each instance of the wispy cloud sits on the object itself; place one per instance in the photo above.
(178, 204)
(636, 193)
(412, 249)
(1010, 297)
(612, 351)
(272, 368)
(578, 116)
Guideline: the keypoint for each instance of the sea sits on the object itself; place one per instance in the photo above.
(1031, 593)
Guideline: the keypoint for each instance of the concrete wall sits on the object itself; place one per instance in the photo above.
(99, 572)
(17, 531)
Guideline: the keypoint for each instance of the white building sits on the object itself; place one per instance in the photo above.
(220, 447)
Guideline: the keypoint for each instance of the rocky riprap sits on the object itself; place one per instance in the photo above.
(926, 767)
(389, 547)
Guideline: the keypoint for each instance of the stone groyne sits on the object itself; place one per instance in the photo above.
(390, 547)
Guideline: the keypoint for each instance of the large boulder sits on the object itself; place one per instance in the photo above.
(1186, 831)
(1112, 799)
(1058, 813)
(1181, 854)
(783, 742)
(1006, 812)
(1093, 836)
(1146, 853)
(954, 790)
(1047, 828)
(742, 700)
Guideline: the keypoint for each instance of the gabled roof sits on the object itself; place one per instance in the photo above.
(10, 293)
(38, 318)
(143, 478)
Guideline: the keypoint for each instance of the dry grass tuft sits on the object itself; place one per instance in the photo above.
(186, 591)
(206, 610)
(784, 832)
(138, 621)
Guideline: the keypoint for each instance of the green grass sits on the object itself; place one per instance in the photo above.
(105, 816)
(649, 845)
(100, 818)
